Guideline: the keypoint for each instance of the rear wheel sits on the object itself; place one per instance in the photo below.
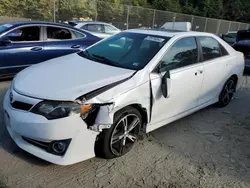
(227, 92)
(121, 137)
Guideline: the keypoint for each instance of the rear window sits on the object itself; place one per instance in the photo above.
(56, 33)
(211, 48)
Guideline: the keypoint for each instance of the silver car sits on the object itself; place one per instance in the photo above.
(99, 29)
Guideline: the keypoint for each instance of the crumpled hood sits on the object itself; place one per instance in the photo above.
(67, 78)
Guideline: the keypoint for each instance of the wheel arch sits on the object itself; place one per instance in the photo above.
(143, 112)
(235, 77)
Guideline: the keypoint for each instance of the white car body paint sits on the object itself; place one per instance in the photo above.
(182, 26)
(69, 77)
(88, 76)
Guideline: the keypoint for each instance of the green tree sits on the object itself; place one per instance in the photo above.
(235, 10)
(169, 5)
(113, 10)
(188, 8)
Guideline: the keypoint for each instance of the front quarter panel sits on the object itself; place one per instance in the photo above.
(134, 91)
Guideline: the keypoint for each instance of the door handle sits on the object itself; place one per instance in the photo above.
(198, 71)
(75, 46)
(36, 49)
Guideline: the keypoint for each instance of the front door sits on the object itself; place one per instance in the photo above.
(186, 76)
(26, 48)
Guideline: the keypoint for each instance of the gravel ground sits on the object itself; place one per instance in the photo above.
(207, 149)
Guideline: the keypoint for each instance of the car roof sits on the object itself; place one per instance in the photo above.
(23, 23)
(36, 22)
(168, 33)
(95, 22)
(232, 32)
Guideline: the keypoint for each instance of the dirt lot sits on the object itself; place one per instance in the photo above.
(207, 149)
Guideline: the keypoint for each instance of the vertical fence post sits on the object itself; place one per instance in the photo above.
(153, 24)
(174, 19)
(96, 9)
(229, 28)
(54, 11)
(128, 16)
(192, 21)
(205, 28)
(218, 27)
(238, 27)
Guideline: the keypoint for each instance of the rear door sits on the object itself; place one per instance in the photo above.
(215, 62)
(61, 41)
(26, 48)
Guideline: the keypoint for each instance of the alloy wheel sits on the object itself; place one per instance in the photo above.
(228, 92)
(125, 134)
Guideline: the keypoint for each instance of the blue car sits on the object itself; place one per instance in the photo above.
(26, 43)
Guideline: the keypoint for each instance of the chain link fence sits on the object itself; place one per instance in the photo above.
(120, 15)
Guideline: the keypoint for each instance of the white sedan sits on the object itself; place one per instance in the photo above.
(96, 102)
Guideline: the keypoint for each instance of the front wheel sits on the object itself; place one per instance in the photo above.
(121, 137)
(227, 92)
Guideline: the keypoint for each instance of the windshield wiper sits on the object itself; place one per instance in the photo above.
(106, 60)
(85, 54)
(98, 58)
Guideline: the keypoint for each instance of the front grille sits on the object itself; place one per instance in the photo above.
(21, 105)
(40, 144)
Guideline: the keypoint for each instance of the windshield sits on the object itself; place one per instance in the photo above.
(126, 50)
(4, 27)
(233, 35)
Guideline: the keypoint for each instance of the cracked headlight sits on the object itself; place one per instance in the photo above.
(55, 110)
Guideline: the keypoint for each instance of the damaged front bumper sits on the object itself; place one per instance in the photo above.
(36, 135)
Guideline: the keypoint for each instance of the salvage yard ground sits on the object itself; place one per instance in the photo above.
(208, 149)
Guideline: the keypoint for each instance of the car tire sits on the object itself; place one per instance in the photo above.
(227, 92)
(120, 138)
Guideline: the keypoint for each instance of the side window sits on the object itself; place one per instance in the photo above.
(25, 34)
(78, 35)
(109, 29)
(56, 33)
(183, 53)
(223, 51)
(211, 48)
(94, 28)
(85, 27)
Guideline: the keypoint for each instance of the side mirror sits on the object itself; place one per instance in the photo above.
(166, 84)
(4, 41)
